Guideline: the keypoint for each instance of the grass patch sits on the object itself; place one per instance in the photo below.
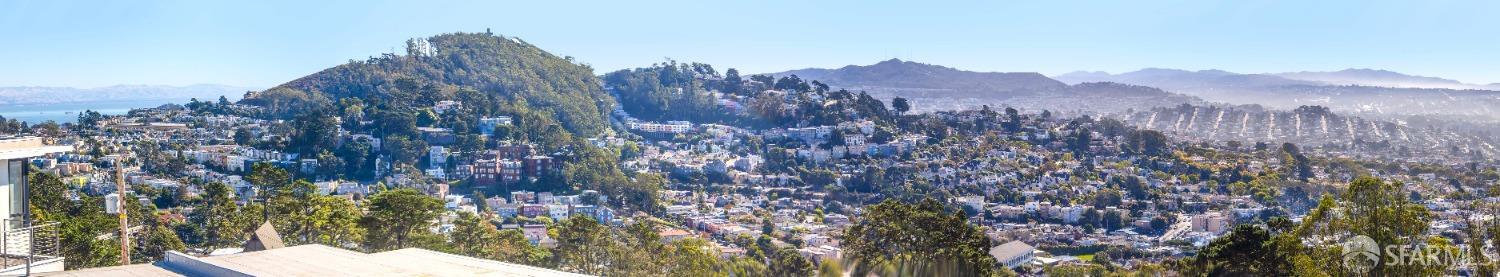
(1086, 257)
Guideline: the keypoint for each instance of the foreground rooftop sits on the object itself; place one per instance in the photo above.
(320, 260)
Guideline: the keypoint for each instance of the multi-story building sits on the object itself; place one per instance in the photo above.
(497, 172)
(533, 210)
(1212, 222)
(495, 200)
(536, 165)
(604, 214)
(545, 198)
(437, 156)
(510, 171)
(673, 127)
(27, 246)
(588, 210)
(506, 210)
(1013, 254)
(486, 173)
(558, 212)
(522, 197)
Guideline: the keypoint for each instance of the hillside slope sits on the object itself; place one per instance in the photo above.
(505, 67)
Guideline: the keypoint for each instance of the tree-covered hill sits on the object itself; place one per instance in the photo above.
(696, 92)
(505, 68)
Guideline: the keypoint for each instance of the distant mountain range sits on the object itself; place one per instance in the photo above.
(1365, 91)
(1352, 90)
(1381, 78)
(934, 87)
(1172, 79)
(1346, 77)
(57, 95)
(895, 73)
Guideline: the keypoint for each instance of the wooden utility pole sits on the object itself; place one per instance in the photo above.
(124, 224)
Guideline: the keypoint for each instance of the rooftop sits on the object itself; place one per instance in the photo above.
(320, 260)
(1011, 249)
(26, 147)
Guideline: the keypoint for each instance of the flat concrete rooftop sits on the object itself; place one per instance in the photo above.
(320, 260)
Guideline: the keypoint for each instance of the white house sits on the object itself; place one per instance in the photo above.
(1013, 254)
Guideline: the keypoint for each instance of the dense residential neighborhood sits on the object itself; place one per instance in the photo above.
(678, 169)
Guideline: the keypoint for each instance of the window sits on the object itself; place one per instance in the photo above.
(15, 174)
(17, 187)
(5, 173)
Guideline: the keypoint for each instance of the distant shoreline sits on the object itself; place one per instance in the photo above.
(33, 113)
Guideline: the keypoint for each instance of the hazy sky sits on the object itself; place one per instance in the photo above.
(264, 43)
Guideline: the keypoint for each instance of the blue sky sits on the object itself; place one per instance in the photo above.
(264, 43)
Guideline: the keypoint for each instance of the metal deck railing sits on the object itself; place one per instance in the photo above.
(27, 242)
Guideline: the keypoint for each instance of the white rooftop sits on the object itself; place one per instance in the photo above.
(320, 260)
(1011, 249)
(19, 148)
